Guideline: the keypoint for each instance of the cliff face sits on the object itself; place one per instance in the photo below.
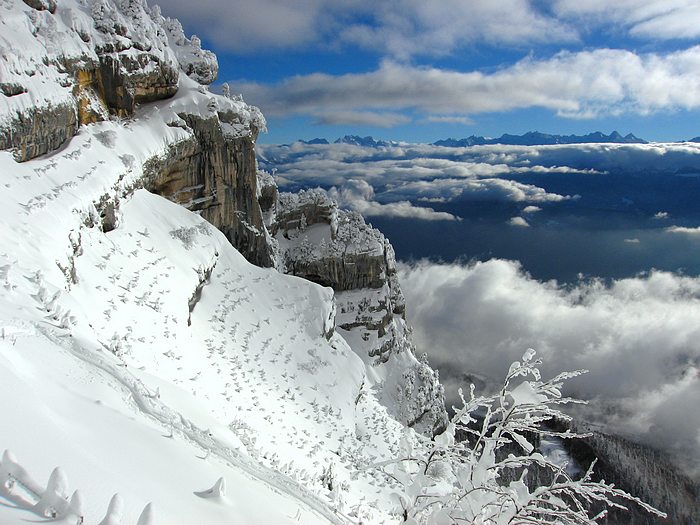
(78, 63)
(214, 174)
(72, 63)
(82, 62)
(336, 248)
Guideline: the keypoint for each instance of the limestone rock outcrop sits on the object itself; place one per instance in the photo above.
(214, 174)
(352, 257)
(336, 248)
(81, 61)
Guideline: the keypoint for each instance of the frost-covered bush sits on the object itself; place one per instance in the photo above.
(451, 481)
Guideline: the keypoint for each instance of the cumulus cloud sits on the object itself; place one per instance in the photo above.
(584, 84)
(406, 28)
(401, 29)
(415, 27)
(519, 222)
(531, 209)
(684, 230)
(637, 336)
(650, 19)
(359, 195)
(246, 25)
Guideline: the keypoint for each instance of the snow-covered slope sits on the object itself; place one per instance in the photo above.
(112, 377)
(140, 352)
(114, 341)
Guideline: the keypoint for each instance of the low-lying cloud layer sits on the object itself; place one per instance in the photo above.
(639, 337)
(400, 180)
(358, 195)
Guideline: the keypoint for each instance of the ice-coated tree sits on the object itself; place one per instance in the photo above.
(482, 478)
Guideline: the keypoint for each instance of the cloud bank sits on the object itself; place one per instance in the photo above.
(401, 28)
(585, 84)
(648, 19)
(358, 195)
(396, 181)
(404, 28)
(637, 336)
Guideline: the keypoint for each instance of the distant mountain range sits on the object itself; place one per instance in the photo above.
(535, 138)
(531, 138)
(355, 140)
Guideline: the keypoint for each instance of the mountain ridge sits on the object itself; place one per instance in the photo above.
(530, 138)
(536, 138)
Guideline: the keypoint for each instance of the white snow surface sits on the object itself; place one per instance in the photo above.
(106, 373)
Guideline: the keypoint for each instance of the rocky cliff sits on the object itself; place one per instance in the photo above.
(336, 248)
(214, 174)
(87, 62)
(69, 63)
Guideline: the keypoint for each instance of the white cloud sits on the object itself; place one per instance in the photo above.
(638, 337)
(448, 119)
(651, 19)
(410, 172)
(362, 118)
(478, 189)
(414, 27)
(246, 25)
(586, 84)
(684, 230)
(401, 29)
(358, 195)
(519, 222)
(660, 215)
(531, 209)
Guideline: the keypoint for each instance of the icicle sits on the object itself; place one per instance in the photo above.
(114, 511)
(146, 517)
(217, 491)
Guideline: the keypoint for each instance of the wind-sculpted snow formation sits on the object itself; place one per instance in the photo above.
(142, 356)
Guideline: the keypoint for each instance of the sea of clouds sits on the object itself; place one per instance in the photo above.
(407, 180)
(639, 337)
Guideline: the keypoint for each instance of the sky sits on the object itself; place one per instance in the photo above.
(419, 71)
